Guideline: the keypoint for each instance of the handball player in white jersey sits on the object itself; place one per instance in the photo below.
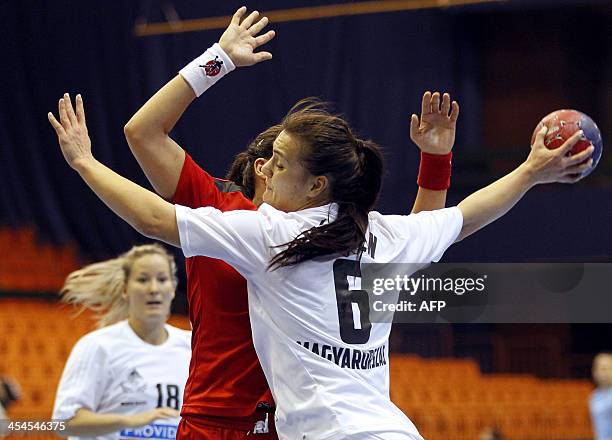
(323, 182)
(126, 379)
(226, 385)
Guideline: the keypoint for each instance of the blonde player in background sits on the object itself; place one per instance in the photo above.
(128, 377)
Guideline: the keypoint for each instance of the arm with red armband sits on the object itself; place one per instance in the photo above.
(434, 134)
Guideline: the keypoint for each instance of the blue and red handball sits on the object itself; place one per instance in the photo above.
(562, 124)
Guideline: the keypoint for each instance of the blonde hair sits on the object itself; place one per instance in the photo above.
(99, 286)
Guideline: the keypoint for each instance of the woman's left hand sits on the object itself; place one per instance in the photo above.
(241, 38)
(548, 166)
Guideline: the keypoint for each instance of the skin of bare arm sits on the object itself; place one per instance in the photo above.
(88, 423)
(542, 166)
(148, 131)
(147, 212)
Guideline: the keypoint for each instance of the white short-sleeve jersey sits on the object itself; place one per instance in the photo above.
(328, 381)
(112, 370)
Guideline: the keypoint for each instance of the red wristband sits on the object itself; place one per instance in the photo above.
(435, 171)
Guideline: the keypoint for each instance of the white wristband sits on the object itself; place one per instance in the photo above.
(207, 69)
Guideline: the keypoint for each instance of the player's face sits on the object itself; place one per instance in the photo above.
(602, 370)
(287, 180)
(150, 289)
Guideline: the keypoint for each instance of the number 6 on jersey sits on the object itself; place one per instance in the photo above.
(345, 298)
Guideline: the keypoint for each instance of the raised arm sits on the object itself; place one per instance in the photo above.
(434, 134)
(148, 131)
(147, 212)
(237, 238)
(148, 135)
(542, 166)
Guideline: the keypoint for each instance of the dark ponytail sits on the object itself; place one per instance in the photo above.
(241, 170)
(237, 173)
(354, 169)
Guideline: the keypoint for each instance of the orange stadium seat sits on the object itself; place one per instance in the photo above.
(450, 399)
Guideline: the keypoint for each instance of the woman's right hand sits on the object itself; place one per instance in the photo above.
(71, 131)
(144, 418)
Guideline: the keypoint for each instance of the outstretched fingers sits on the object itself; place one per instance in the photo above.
(446, 104)
(248, 22)
(59, 130)
(262, 56)
(454, 111)
(263, 39)
(63, 114)
(414, 126)
(435, 102)
(257, 27)
(80, 110)
(426, 103)
(238, 15)
(68, 119)
(70, 110)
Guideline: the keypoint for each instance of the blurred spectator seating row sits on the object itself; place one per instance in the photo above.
(450, 399)
(32, 267)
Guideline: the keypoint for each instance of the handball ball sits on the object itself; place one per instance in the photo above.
(562, 124)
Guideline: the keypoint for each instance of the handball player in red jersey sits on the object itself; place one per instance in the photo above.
(227, 396)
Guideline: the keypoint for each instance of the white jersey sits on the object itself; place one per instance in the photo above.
(328, 382)
(112, 370)
(3, 421)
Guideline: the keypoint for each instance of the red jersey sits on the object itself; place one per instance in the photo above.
(226, 382)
